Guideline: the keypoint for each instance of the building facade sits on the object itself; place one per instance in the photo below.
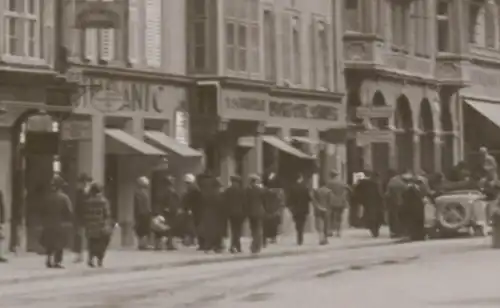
(269, 86)
(401, 100)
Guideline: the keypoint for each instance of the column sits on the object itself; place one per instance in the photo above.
(367, 152)
(393, 153)
(227, 162)
(98, 148)
(255, 155)
(416, 151)
(437, 151)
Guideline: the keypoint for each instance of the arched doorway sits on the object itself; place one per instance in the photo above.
(35, 144)
(404, 137)
(448, 138)
(355, 155)
(426, 126)
(380, 151)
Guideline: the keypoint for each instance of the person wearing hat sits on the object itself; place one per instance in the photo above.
(233, 198)
(339, 201)
(274, 204)
(254, 210)
(81, 197)
(394, 201)
(299, 198)
(191, 205)
(56, 213)
(368, 194)
(169, 207)
(142, 212)
(489, 164)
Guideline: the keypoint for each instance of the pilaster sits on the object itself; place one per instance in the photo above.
(98, 148)
(437, 152)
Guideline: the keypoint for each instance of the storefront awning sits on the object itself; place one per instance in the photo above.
(122, 143)
(285, 147)
(168, 143)
(306, 140)
(489, 110)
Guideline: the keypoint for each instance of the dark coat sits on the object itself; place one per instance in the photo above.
(56, 214)
(368, 193)
(80, 201)
(98, 220)
(191, 201)
(213, 221)
(298, 199)
(234, 201)
(274, 201)
(142, 204)
(254, 202)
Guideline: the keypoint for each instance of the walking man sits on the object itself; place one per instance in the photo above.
(255, 211)
(192, 205)
(322, 201)
(56, 213)
(394, 202)
(338, 203)
(298, 201)
(82, 194)
(142, 212)
(234, 198)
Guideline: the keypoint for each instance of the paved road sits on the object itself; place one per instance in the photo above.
(234, 284)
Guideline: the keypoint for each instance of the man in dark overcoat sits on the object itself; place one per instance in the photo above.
(234, 200)
(213, 222)
(254, 208)
(368, 193)
(81, 197)
(56, 214)
(298, 201)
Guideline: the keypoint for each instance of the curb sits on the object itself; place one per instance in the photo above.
(196, 262)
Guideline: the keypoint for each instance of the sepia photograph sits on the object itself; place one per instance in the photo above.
(249, 153)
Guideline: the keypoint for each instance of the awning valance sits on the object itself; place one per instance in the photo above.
(122, 143)
(285, 147)
(489, 110)
(246, 142)
(306, 140)
(168, 143)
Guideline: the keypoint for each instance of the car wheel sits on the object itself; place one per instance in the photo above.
(453, 216)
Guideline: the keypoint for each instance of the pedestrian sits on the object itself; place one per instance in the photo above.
(299, 197)
(394, 203)
(339, 202)
(414, 205)
(213, 219)
(368, 193)
(169, 208)
(56, 214)
(322, 204)
(254, 208)
(274, 203)
(2, 231)
(82, 193)
(191, 203)
(234, 199)
(142, 212)
(98, 224)
(489, 164)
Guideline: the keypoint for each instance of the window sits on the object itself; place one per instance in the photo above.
(286, 52)
(399, 23)
(23, 28)
(99, 44)
(133, 31)
(420, 23)
(443, 26)
(476, 24)
(153, 32)
(199, 35)
(323, 55)
(352, 15)
(107, 44)
(380, 18)
(242, 35)
(490, 30)
(269, 45)
(297, 54)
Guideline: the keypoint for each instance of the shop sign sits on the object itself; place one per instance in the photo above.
(181, 126)
(124, 96)
(246, 103)
(99, 14)
(76, 130)
(288, 109)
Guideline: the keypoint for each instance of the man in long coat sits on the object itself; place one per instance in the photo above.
(298, 201)
(368, 194)
(81, 197)
(213, 222)
(234, 200)
(339, 202)
(56, 213)
(255, 211)
(192, 206)
(394, 202)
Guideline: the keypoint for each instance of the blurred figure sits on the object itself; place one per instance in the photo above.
(339, 202)
(171, 209)
(414, 207)
(191, 203)
(82, 194)
(394, 202)
(274, 202)
(56, 214)
(98, 225)
(489, 164)
(2, 222)
(142, 212)
(298, 200)
(234, 200)
(255, 211)
(322, 202)
(213, 223)
(368, 194)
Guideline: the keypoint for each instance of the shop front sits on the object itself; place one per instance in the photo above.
(129, 127)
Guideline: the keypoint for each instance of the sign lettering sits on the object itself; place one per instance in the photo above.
(303, 111)
(246, 103)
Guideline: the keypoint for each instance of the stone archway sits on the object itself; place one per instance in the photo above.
(404, 137)
(427, 147)
(448, 137)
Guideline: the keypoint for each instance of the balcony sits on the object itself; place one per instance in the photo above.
(362, 50)
(451, 69)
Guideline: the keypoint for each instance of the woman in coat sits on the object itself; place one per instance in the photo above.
(56, 214)
(98, 224)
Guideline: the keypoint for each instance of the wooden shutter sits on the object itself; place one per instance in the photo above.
(133, 26)
(314, 54)
(47, 31)
(328, 55)
(153, 32)
(286, 40)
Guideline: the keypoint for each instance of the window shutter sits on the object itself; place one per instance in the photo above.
(133, 26)
(327, 55)
(46, 39)
(107, 44)
(287, 46)
(153, 32)
(91, 44)
(314, 54)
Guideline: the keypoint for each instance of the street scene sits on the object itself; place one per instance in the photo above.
(228, 153)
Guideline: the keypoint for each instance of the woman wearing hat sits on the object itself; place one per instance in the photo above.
(56, 213)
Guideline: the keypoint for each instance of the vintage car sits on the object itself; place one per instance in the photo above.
(457, 211)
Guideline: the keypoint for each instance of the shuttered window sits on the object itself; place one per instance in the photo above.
(443, 26)
(286, 41)
(352, 20)
(314, 52)
(153, 32)
(420, 24)
(399, 24)
(107, 44)
(133, 31)
(489, 24)
(199, 33)
(269, 31)
(91, 44)
(297, 50)
(323, 55)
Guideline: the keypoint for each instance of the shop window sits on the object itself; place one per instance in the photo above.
(399, 24)
(443, 26)
(273, 131)
(298, 132)
(117, 122)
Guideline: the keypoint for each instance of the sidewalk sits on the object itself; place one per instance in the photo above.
(31, 266)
